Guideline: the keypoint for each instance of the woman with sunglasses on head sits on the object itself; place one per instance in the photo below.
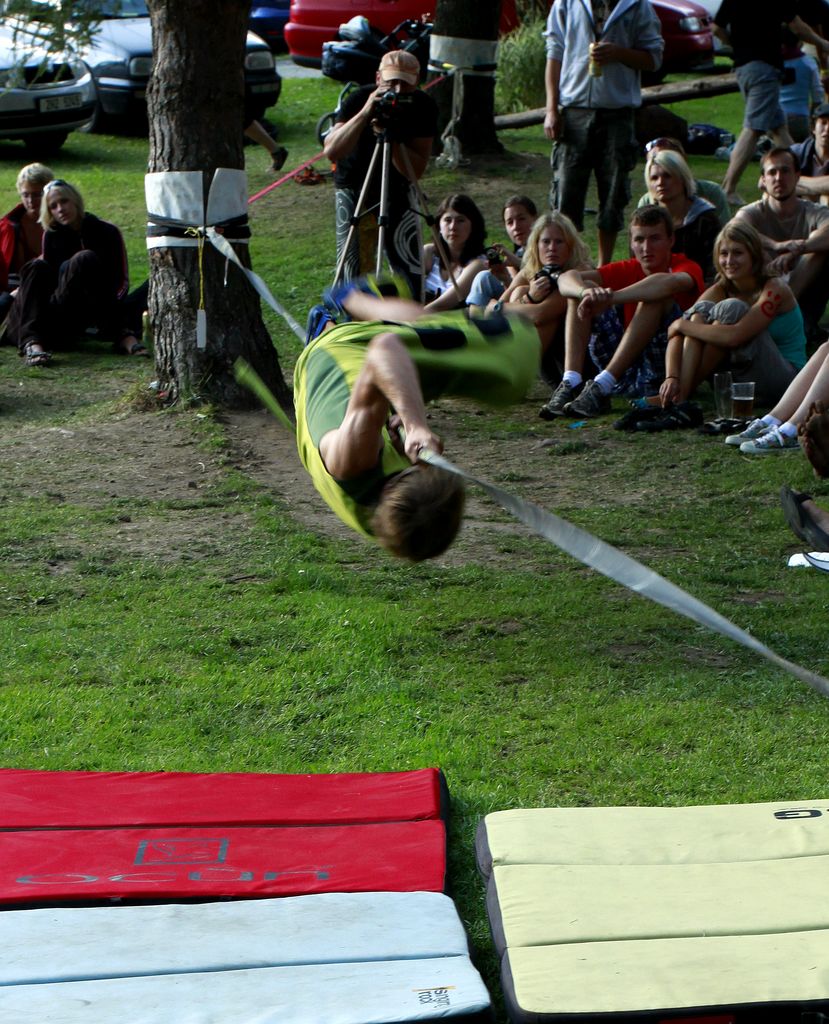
(79, 281)
(20, 232)
(696, 222)
(709, 190)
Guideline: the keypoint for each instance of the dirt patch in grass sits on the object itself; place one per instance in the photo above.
(144, 461)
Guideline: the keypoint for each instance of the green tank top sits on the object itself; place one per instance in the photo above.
(493, 360)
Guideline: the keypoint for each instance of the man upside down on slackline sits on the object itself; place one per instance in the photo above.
(358, 384)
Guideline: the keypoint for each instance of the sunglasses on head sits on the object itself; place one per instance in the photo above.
(661, 143)
(54, 183)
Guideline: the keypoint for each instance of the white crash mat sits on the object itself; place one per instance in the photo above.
(645, 913)
(344, 958)
(358, 993)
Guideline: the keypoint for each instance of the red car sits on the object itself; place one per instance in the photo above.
(686, 27)
(314, 22)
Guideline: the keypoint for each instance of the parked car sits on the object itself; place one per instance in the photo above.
(42, 98)
(268, 21)
(120, 57)
(688, 35)
(686, 27)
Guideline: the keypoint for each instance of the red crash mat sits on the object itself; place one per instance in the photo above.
(39, 799)
(210, 862)
(91, 836)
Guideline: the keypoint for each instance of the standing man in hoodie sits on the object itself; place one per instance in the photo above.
(596, 51)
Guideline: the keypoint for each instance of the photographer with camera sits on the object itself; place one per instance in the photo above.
(553, 247)
(392, 110)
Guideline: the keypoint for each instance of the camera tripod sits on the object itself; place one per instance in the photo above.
(382, 155)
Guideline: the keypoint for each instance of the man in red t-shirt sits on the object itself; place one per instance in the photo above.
(621, 312)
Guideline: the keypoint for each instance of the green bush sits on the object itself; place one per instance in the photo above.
(520, 84)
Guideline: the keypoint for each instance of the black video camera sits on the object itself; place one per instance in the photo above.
(552, 271)
(493, 255)
(390, 107)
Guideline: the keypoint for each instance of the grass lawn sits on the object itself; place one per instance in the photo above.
(172, 599)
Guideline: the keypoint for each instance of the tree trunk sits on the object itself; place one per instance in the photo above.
(460, 19)
(195, 105)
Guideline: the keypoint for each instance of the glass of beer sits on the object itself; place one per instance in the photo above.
(742, 399)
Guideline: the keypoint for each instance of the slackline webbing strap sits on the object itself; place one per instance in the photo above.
(616, 565)
(585, 548)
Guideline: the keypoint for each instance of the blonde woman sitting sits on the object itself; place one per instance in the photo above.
(747, 322)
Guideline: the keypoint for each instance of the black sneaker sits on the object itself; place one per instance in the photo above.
(561, 397)
(591, 402)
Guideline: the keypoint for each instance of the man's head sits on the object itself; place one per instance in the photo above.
(820, 126)
(781, 171)
(399, 71)
(30, 183)
(519, 215)
(419, 512)
(652, 238)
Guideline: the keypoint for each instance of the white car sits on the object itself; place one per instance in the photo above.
(42, 97)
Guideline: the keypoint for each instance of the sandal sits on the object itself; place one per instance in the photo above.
(794, 513)
(638, 414)
(676, 417)
(724, 426)
(801, 521)
(36, 356)
(278, 158)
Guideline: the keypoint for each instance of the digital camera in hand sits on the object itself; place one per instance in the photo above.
(494, 255)
(552, 271)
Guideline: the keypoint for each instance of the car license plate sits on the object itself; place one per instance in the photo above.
(267, 87)
(49, 104)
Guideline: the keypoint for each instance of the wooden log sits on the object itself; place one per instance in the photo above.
(668, 92)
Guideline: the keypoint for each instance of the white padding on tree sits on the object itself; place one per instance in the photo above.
(178, 196)
(468, 54)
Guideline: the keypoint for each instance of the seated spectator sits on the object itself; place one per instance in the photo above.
(629, 342)
(20, 232)
(80, 281)
(696, 223)
(795, 234)
(801, 88)
(747, 322)
(519, 215)
(778, 429)
(553, 247)
(813, 156)
(462, 231)
(709, 190)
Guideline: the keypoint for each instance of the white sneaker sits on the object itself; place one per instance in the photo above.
(755, 429)
(771, 441)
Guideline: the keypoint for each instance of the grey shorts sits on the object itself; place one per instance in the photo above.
(760, 85)
(758, 360)
(601, 141)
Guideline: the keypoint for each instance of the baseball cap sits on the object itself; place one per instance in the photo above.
(402, 65)
(821, 110)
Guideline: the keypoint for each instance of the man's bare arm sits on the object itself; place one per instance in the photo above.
(814, 187)
(387, 380)
(654, 287)
(552, 115)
